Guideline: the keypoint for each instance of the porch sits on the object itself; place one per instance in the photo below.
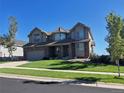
(59, 51)
(68, 51)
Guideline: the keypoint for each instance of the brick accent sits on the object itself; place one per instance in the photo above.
(70, 51)
(86, 46)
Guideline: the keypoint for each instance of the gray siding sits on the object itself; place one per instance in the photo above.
(74, 33)
(42, 35)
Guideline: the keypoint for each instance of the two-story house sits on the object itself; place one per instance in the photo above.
(74, 43)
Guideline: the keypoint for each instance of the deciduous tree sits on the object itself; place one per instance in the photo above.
(9, 39)
(115, 40)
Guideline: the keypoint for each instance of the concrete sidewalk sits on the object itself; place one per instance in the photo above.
(64, 81)
(73, 71)
(12, 64)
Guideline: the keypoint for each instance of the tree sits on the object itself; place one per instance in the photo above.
(9, 39)
(115, 40)
(0, 39)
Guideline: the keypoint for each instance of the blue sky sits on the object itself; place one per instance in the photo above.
(50, 14)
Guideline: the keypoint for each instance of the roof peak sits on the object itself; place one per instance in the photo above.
(60, 29)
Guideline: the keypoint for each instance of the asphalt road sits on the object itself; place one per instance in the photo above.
(26, 86)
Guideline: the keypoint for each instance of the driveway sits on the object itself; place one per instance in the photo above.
(12, 64)
(25, 86)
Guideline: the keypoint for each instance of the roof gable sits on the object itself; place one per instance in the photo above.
(36, 29)
(83, 25)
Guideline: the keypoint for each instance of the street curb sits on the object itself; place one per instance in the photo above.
(3, 75)
(48, 79)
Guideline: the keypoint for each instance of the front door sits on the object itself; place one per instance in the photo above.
(58, 51)
(65, 51)
(54, 51)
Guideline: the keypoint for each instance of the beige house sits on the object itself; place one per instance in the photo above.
(74, 43)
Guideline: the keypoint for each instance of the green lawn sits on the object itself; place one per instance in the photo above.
(66, 75)
(2, 62)
(63, 65)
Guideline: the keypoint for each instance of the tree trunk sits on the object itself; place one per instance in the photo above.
(117, 62)
(10, 54)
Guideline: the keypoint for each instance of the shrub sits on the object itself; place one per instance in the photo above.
(46, 58)
(103, 59)
(121, 62)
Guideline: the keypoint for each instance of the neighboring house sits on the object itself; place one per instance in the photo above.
(17, 53)
(74, 43)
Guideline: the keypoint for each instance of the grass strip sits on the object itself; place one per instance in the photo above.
(65, 75)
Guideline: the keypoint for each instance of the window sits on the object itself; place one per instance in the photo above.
(80, 46)
(37, 38)
(59, 36)
(81, 34)
(62, 36)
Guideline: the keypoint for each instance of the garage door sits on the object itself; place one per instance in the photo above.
(35, 55)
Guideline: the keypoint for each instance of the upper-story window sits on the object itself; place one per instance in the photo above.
(37, 38)
(60, 36)
(57, 37)
(79, 35)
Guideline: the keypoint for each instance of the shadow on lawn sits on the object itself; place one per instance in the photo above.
(118, 78)
(65, 65)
